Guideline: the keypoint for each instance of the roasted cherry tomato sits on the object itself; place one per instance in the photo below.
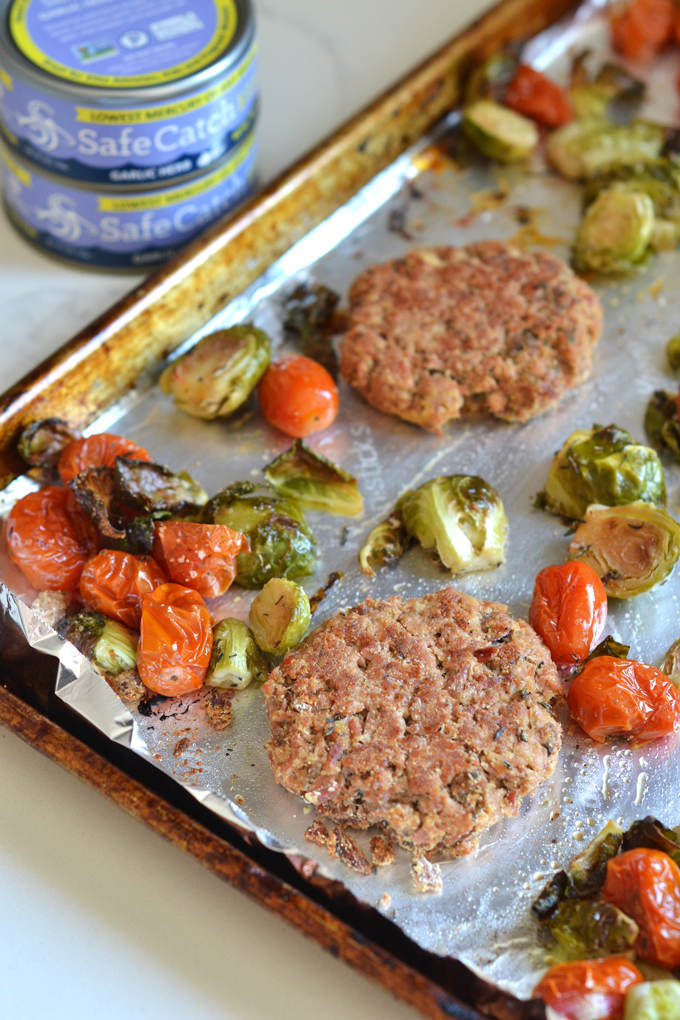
(536, 96)
(298, 396)
(97, 451)
(593, 988)
(175, 640)
(115, 582)
(50, 538)
(643, 27)
(200, 556)
(624, 698)
(568, 610)
(645, 884)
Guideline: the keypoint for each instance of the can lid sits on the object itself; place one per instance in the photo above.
(156, 47)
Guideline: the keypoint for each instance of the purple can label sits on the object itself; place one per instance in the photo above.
(122, 230)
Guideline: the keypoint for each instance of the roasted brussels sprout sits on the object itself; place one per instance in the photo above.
(602, 465)
(310, 315)
(653, 1000)
(41, 442)
(141, 530)
(662, 424)
(386, 542)
(659, 179)
(671, 663)
(651, 834)
(615, 233)
(461, 517)
(498, 132)
(109, 645)
(315, 482)
(591, 95)
(281, 544)
(279, 616)
(95, 491)
(236, 659)
(673, 352)
(632, 548)
(586, 875)
(584, 147)
(218, 375)
(587, 928)
(149, 487)
(608, 646)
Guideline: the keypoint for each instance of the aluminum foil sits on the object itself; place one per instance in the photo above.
(483, 914)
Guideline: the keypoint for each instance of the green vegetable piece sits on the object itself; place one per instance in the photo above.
(608, 646)
(584, 147)
(673, 352)
(279, 616)
(657, 178)
(315, 482)
(662, 424)
(671, 663)
(498, 132)
(140, 531)
(615, 233)
(602, 465)
(631, 548)
(218, 375)
(386, 542)
(490, 79)
(588, 869)
(109, 645)
(310, 315)
(591, 97)
(236, 659)
(41, 442)
(587, 928)
(461, 517)
(150, 487)
(651, 834)
(653, 1000)
(281, 544)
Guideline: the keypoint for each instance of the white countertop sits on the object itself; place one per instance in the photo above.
(100, 917)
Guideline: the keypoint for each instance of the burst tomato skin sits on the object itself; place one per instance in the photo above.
(115, 582)
(624, 698)
(199, 556)
(645, 884)
(97, 451)
(596, 988)
(568, 610)
(50, 538)
(298, 396)
(175, 640)
(643, 27)
(533, 95)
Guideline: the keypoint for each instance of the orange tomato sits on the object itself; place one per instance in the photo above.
(175, 640)
(645, 884)
(533, 95)
(298, 396)
(115, 582)
(643, 27)
(199, 556)
(568, 610)
(624, 698)
(49, 537)
(96, 451)
(593, 988)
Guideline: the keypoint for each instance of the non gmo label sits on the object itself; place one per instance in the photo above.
(122, 43)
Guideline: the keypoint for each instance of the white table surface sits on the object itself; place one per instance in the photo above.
(99, 917)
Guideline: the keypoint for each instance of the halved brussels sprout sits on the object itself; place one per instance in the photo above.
(673, 352)
(218, 375)
(41, 442)
(498, 132)
(149, 487)
(671, 663)
(631, 548)
(661, 422)
(279, 616)
(584, 147)
(586, 874)
(462, 517)
(281, 544)
(109, 645)
(386, 542)
(653, 1000)
(587, 928)
(615, 233)
(236, 659)
(602, 465)
(314, 481)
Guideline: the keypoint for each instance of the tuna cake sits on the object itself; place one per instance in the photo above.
(489, 328)
(430, 717)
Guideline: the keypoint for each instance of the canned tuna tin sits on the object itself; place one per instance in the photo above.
(124, 230)
(126, 92)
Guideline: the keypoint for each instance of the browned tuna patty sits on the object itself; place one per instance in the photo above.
(446, 332)
(430, 717)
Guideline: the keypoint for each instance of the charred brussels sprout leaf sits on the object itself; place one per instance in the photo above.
(584, 147)
(140, 532)
(109, 645)
(652, 835)
(653, 1000)
(586, 928)
(279, 616)
(41, 442)
(236, 659)
(386, 542)
(602, 465)
(315, 482)
(149, 487)
(609, 646)
(671, 663)
(662, 424)
(490, 79)
(218, 375)
(615, 233)
(586, 874)
(673, 352)
(95, 491)
(310, 315)
(632, 548)
(498, 132)
(461, 517)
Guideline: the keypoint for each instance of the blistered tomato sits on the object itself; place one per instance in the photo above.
(589, 988)
(536, 96)
(175, 640)
(643, 27)
(624, 698)
(97, 451)
(49, 537)
(200, 556)
(298, 396)
(115, 582)
(645, 884)
(568, 610)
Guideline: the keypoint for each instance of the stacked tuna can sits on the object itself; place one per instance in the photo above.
(128, 125)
